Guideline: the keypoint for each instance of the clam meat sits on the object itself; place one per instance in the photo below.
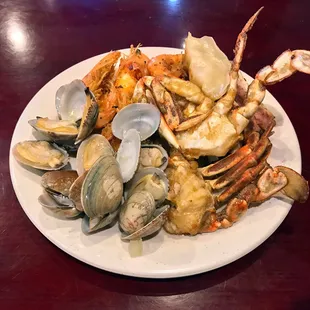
(152, 155)
(40, 155)
(91, 150)
(153, 180)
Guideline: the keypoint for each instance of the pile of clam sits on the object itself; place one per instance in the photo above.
(129, 187)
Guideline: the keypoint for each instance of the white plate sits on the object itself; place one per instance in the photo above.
(165, 255)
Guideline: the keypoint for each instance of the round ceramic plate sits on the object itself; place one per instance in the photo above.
(165, 256)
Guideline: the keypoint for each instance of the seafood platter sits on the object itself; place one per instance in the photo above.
(132, 150)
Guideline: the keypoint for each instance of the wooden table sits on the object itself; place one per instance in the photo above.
(38, 40)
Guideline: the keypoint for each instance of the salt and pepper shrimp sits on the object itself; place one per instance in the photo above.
(100, 81)
(131, 69)
(166, 64)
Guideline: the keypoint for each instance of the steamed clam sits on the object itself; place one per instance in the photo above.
(76, 103)
(128, 154)
(91, 150)
(70, 101)
(152, 155)
(40, 155)
(89, 117)
(55, 130)
(139, 216)
(133, 124)
(58, 210)
(153, 180)
(102, 190)
(144, 118)
(57, 187)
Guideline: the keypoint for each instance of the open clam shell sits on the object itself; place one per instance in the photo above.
(102, 188)
(59, 210)
(70, 101)
(55, 130)
(136, 183)
(153, 155)
(128, 154)
(40, 155)
(60, 199)
(89, 117)
(159, 219)
(92, 225)
(143, 117)
(90, 150)
(59, 181)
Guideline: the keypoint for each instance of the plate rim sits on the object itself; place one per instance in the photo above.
(162, 274)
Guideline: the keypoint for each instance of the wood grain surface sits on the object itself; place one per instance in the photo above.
(41, 38)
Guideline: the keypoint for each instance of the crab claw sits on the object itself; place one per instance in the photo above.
(297, 187)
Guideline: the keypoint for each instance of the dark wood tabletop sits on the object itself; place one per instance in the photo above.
(41, 38)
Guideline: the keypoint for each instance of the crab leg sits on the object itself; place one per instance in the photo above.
(224, 104)
(143, 95)
(164, 129)
(247, 177)
(191, 122)
(242, 89)
(185, 89)
(283, 67)
(166, 105)
(271, 182)
(232, 159)
(263, 146)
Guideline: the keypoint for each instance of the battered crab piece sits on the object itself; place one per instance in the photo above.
(190, 195)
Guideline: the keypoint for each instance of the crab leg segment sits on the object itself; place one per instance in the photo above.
(263, 146)
(143, 95)
(284, 66)
(191, 122)
(165, 104)
(224, 104)
(269, 183)
(247, 177)
(231, 160)
(185, 89)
